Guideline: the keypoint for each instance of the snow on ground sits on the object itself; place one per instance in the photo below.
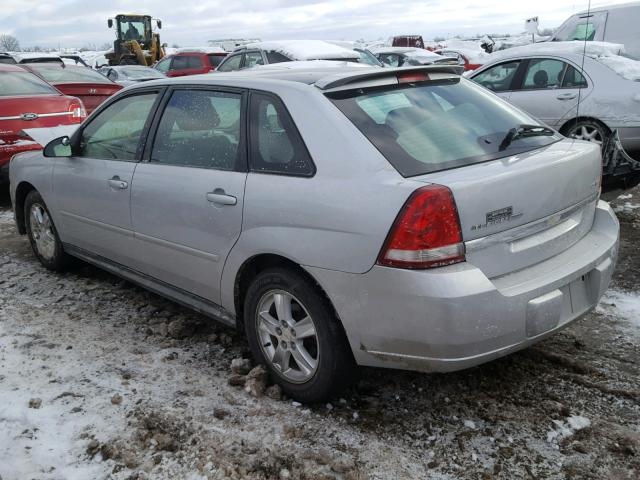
(625, 305)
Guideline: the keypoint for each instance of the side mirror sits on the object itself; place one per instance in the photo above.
(110, 23)
(159, 22)
(60, 147)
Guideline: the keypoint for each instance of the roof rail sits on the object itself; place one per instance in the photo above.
(344, 79)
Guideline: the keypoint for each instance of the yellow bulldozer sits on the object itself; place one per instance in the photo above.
(136, 43)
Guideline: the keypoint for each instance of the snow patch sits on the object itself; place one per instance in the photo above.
(621, 304)
(566, 429)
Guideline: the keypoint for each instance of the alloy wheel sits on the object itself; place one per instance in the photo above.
(287, 336)
(42, 231)
(590, 133)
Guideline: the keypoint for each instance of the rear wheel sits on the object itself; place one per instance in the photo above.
(292, 330)
(589, 130)
(45, 243)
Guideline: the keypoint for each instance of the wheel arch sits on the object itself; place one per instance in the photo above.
(260, 262)
(22, 190)
(584, 118)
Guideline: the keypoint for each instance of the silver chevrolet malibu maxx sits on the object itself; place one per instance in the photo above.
(402, 218)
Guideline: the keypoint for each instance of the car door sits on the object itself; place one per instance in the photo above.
(499, 78)
(549, 90)
(187, 195)
(93, 185)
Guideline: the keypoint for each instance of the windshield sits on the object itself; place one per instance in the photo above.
(582, 27)
(367, 57)
(137, 73)
(429, 126)
(55, 74)
(23, 83)
(133, 29)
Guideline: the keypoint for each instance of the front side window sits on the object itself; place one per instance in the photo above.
(436, 125)
(543, 73)
(390, 59)
(115, 133)
(251, 59)
(180, 63)
(499, 77)
(199, 128)
(194, 62)
(231, 64)
(276, 145)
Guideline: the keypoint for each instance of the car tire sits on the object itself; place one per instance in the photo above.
(589, 130)
(310, 357)
(45, 243)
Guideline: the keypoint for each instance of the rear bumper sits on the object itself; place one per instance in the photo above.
(455, 317)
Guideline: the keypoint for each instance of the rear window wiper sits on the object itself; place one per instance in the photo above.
(522, 131)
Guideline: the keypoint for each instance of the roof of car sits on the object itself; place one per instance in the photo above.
(324, 78)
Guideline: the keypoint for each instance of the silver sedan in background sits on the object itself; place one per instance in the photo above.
(126, 75)
(403, 218)
(582, 96)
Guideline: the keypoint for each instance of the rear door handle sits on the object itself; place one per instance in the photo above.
(221, 198)
(566, 96)
(115, 182)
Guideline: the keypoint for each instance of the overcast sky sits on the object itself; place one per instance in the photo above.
(78, 23)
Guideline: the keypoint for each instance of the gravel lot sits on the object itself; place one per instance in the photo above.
(100, 379)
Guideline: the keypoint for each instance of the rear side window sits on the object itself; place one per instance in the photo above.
(199, 128)
(23, 83)
(543, 73)
(499, 77)
(573, 79)
(276, 57)
(436, 125)
(180, 63)
(276, 145)
(194, 62)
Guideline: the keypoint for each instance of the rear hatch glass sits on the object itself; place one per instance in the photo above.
(429, 126)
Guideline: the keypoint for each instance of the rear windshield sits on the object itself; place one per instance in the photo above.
(23, 83)
(55, 74)
(141, 72)
(429, 126)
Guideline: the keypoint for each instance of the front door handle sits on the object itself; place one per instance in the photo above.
(220, 197)
(566, 96)
(115, 182)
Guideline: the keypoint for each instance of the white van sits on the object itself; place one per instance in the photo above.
(615, 24)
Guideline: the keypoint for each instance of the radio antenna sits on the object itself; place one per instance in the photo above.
(584, 54)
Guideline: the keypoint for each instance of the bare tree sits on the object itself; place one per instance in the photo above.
(9, 43)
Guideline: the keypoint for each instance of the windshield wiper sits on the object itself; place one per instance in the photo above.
(522, 131)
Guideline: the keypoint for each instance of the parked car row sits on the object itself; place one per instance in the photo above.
(393, 217)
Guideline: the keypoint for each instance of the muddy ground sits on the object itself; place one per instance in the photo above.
(101, 379)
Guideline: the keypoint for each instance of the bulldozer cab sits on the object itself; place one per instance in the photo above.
(135, 43)
(134, 27)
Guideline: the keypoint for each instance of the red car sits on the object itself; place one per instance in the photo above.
(27, 101)
(464, 60)
(190, 63)
(82, 82)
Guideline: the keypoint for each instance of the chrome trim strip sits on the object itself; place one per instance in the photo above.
(40, 115)
(213, 257)
(527, 229)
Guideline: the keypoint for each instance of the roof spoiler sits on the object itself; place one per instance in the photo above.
(342, 80)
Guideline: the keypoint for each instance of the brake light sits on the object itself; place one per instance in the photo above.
(412, 77)
(426, 233)
(78, 112)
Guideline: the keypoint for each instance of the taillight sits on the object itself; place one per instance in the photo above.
(426, 233)
(78, 113)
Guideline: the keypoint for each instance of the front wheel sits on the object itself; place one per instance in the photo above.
(292, 330)
(45, 243)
